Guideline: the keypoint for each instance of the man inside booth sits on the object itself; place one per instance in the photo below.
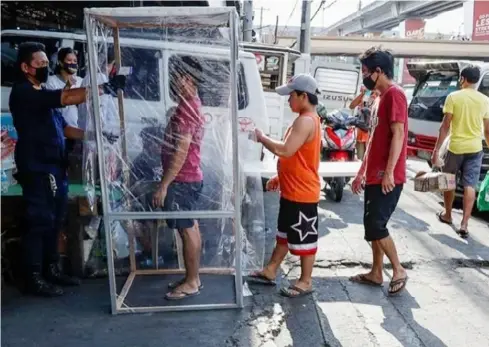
(40, 158)
(182, 180)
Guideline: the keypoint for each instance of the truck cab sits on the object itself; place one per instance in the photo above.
(275, 66)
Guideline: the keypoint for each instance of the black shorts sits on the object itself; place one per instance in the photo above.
(298, 227)
(182, 196)
(378, 208)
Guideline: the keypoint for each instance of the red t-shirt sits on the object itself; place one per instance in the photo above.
(392, 109)
(187, 120)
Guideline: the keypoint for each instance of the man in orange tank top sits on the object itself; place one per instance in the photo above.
(299, 185)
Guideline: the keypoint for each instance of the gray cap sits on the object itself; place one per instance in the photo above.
(301, 82)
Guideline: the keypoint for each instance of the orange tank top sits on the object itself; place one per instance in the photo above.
(298, 174)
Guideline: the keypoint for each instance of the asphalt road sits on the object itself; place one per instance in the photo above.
(446, 302)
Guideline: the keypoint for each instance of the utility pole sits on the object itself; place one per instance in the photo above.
(275, 38)
(305, 37)
(261, 20)
(248, 21)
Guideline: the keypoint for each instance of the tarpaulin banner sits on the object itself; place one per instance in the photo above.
(414, 29)
(9, 139)
(480, 29)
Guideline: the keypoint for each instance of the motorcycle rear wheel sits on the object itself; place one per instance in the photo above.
(336, 188)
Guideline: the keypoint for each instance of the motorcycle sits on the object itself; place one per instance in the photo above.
(338, 144)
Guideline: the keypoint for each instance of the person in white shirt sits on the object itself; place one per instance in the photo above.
(65, 78)
(108, 103)
(109, 116)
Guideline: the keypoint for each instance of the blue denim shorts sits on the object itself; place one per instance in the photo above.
(468, 164)
(182, 196)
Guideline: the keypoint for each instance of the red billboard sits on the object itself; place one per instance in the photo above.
(414, 29)
(480, 29)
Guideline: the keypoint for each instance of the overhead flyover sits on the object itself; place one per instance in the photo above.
(384, 15)
(401, 48)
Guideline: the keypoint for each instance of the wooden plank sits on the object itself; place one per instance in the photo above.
(125, 289)
(209, 271)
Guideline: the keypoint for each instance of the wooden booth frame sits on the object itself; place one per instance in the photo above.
(112, 18)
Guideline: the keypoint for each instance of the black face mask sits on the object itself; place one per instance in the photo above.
(42, 74)
(369, 83)
(70, 68)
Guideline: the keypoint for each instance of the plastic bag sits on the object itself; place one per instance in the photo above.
(442, 153)
(483, 198)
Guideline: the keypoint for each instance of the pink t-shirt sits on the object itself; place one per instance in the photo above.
(187, 120)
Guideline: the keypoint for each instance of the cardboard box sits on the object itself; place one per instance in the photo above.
(434, 182)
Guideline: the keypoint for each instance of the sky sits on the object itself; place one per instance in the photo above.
(445, 23)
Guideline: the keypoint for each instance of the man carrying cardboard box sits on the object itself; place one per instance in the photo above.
(466, 112)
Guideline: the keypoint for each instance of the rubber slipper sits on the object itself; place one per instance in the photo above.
(173, 285)
(463, 233)
(402, 281)
(180, 297)
(260, 278)
(287, 292)
(363, 279)
(440, 218)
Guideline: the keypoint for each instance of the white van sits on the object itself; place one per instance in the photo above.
(147, 98)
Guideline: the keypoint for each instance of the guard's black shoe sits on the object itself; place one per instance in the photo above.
(36, 285)
(55, 276)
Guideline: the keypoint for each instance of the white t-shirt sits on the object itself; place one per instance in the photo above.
(69, 113)
(108, 109)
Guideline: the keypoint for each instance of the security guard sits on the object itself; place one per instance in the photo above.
(41, 165)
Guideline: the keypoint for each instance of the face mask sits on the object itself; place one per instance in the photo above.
(70, 68)
(42, 74)
(369, 83)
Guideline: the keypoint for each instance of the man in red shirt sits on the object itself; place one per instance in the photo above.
(383, 172)
(182, 180)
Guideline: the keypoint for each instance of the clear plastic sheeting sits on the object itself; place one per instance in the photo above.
(169, 143)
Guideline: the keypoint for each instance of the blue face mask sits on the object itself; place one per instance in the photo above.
(368, 92)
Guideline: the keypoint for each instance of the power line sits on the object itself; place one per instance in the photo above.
(317, 11)
(324, 8)
(319, 8)
(290, 16)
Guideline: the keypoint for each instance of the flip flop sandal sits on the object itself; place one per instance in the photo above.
(287, 292)
(402, 281)
(362, 279)
(173, 285)
(260, 278)
(463, 233)
(184, 296)
(440, 218)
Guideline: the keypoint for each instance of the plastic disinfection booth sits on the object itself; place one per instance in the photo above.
(182, 223)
